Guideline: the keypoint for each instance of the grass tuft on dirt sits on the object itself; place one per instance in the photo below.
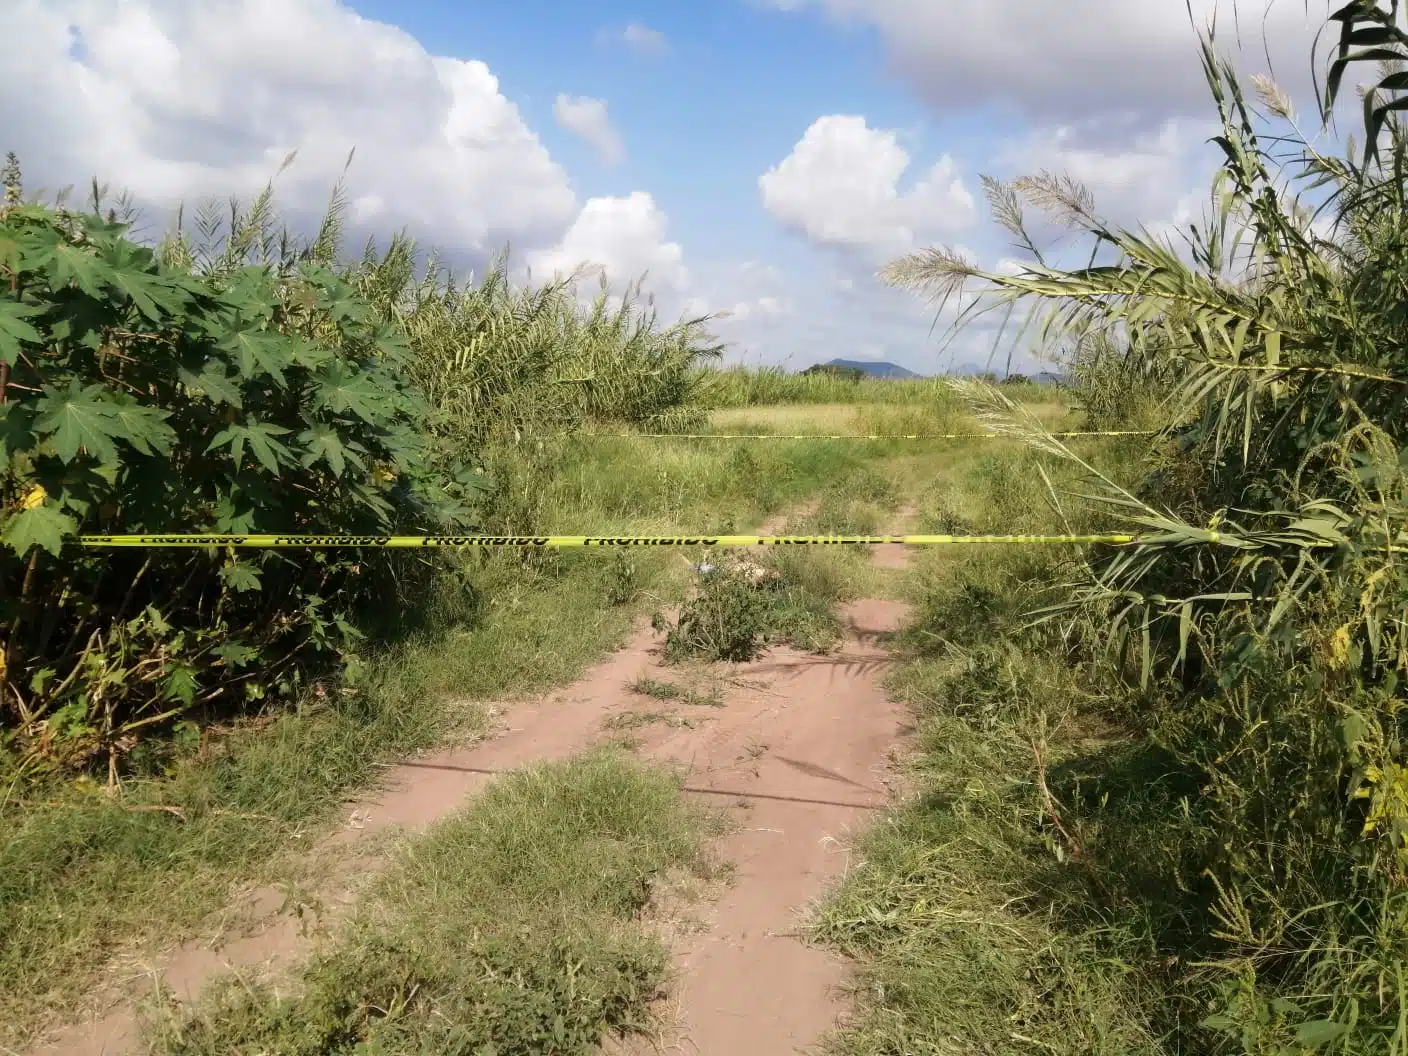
(512, 927)
(656, 689)
(740, 608)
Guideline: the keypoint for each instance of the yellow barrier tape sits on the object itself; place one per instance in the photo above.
(265, 542)
(851, 436)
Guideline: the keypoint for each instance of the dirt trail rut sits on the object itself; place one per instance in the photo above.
(806, 759)
(800, 747)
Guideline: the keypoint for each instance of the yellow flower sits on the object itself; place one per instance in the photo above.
(1388, 802)
(1339, 647)
(35, 498)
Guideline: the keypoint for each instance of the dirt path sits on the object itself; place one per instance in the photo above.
(800, 745)
(805, 759)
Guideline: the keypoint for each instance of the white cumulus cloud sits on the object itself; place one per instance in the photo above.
(840, 186)
(179, 100)
(1133, 178)
(588, 118)
(1079, 57)
(643, 38)
(625, 237)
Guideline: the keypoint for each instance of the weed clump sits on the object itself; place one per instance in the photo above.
(724, 621)
(741, 608)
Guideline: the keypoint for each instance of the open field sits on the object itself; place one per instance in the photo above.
(942, 414)
(772, 387)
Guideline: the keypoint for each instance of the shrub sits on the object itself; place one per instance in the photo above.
(741, 608)
(243, 380)
(137, 395)
(726, 620)
(499, 362)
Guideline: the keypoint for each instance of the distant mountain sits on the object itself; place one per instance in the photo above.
(974, 370)
(871, 367)
(881, 369)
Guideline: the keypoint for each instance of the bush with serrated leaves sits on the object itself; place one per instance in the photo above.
(141, 395)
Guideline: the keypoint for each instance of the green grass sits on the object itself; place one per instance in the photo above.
(610, 483)
(938, 415)
(974, 923)
(512, 927)
(672, 691)
(635, 720)
(87, 872)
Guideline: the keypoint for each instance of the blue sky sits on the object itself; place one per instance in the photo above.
(760, 157)
(732, 88)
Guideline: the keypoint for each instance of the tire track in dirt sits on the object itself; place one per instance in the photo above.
(808, 762)
(802, 740)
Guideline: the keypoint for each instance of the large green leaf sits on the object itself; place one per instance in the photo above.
(144, 427)
(104, 233)
(92, 417)
(309, 354)
(44, 526)
(66, 263)
(252, 294)
(181, 682)
(261, 438)
(1319, 1032)
(155, 297)
(324, 444)
(390, 341)
(14, 329)
(259, 352)
(240, 576)
(236, 654)
(213, 383)
(342, 389)
(335, 296)
(234, 514)
(80, 419)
